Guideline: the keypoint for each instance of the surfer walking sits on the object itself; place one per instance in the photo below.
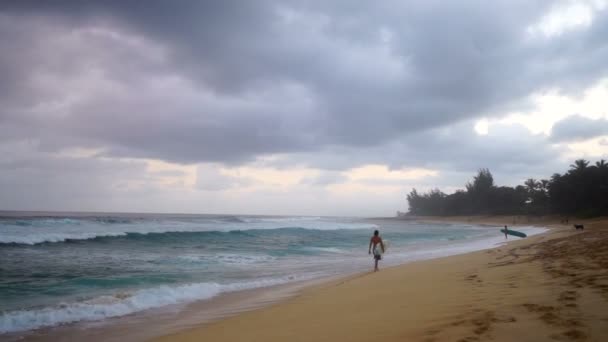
(376, 244)
(506, 229)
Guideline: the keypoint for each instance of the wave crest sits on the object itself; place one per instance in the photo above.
(123, 303)
(38, 231)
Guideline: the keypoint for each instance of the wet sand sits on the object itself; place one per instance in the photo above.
(552, 287)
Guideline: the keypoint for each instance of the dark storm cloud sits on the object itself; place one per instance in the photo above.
(227, 81)
(511, 152)
(578, 127)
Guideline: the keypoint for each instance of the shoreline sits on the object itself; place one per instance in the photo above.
(439, 299)
(177, 317)
(501, 220)
(202, 314)
(154, 323)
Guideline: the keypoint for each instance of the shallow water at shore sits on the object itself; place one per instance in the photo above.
(65, 269)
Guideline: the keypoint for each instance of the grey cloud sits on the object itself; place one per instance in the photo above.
(229, 81)
(511, 152)
(169, 173)
(578, 127)
(325, 178)
(42, 181)
(211, 179)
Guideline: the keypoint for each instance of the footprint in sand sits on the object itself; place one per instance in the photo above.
(469, 339)
(551, 315)
(570, 335)
(471, 277)
(474, 278)
(568, 297)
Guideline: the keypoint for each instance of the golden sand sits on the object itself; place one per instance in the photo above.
(552, 287)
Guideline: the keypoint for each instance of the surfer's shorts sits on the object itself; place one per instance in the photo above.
(377, 256)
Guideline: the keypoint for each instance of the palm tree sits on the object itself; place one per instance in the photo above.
(531, 184)
(579, 165)
(602, 165)
(544, 184)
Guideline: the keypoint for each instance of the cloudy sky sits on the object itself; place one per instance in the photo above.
(291, 107)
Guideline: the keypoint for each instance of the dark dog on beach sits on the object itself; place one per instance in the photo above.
(579, 226)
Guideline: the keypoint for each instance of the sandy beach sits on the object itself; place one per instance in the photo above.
(544, 288)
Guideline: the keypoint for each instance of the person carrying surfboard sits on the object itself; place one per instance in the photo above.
(378, 247)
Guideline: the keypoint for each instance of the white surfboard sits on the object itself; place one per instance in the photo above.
(378, 249)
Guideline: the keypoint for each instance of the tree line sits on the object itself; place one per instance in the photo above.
(582, 191)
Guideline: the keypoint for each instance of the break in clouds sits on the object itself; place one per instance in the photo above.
(91, 90)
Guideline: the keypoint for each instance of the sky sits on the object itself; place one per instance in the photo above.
(292, 107)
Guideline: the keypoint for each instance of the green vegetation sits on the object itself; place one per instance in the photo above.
(582, 191)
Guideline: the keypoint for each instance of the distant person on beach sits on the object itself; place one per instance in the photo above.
(506, 236)
(376, 243)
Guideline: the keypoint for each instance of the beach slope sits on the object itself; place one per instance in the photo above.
(548, 287)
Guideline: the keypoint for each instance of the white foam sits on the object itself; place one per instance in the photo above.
(325, 249)
(280, 219)
(32, 238)
(241, 259)
(124, 303)
(223, 258)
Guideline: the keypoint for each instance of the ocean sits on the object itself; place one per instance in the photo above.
(62, 268)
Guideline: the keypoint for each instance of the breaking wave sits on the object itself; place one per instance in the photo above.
(124, 303)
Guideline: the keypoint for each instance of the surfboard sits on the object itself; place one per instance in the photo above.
(514, 233)
(378, 248)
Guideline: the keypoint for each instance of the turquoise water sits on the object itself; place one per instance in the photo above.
(63, 268)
